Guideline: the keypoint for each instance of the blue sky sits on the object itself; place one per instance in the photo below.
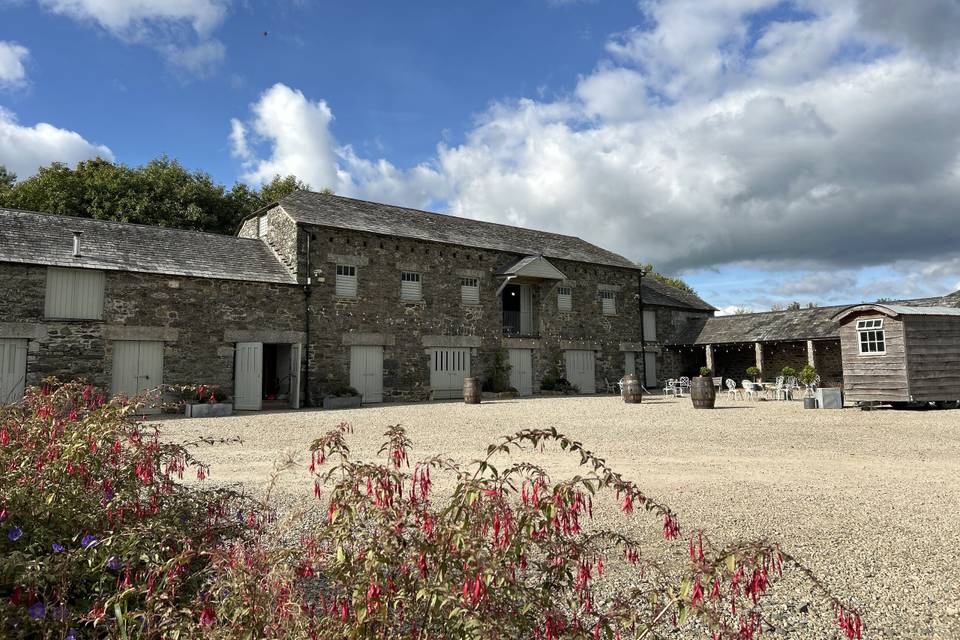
(766, 151)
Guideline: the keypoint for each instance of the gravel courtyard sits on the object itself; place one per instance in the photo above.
(869, 500)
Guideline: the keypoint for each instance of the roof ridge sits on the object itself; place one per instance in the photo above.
(448, 215)
(49, 214)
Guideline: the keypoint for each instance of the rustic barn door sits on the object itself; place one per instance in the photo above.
(295, 351)
(366, 372)
(580, 369)
(521, 371)
(137, 367)
(13, 369)
(248, 376)
(448, 368)
(651, 369)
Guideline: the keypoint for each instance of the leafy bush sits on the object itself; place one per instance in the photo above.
(705, 371)
(98, 534)
(807, 375)
(498, 375)
(753, 372)
(341, 390)
(788, 372)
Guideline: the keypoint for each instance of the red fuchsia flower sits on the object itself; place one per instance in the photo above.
(671, 529)
(628, 503)
(207, 617)
(697, 596)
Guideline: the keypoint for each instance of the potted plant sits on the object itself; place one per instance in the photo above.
(496, 384)
(702, 392)
(205, 401)
(753, 373)
(341, 396)
(807, 377)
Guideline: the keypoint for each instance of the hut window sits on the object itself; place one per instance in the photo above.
(410, 286)
(470, 290)
(346, 281)
(263, 225)
(870, 333)
(564, 299)
(609, 302)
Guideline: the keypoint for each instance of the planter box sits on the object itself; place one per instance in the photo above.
(503, 395)
(829, 399)
(348, 402)
(207, 410)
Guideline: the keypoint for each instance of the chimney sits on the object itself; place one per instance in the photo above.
(76, 243)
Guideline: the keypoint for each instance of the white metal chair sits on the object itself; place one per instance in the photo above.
(780, 389)
(683, 383)
(749, 389)
(668, 386)
(718, 382)
(791, 385)
(732, 390)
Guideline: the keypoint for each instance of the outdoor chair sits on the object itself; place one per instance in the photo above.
(684, 383)
(791, 385)
(718, 382)
(780, 389)
(749, 389)
(668, 386)
(732, 389)
(612, 387)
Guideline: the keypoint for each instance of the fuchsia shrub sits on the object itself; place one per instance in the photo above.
(99, 539)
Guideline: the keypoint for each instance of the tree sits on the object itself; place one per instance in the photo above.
(161, 192)
(7, 180)
(740, 311)
(670, 280)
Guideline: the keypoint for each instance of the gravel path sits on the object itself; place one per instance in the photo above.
(869, 500)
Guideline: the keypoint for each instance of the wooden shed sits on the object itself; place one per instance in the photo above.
(896, 354)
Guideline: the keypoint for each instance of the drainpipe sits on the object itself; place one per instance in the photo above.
(307, 289)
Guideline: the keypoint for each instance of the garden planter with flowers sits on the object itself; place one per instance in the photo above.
(342, 397)
(206, 402)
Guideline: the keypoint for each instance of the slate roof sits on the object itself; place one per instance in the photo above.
(661, 293)
(803, 324)
(327, 210)
(902, 310)
(47, 239)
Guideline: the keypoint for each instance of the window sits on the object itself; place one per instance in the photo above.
(608, 298)
(262, 226)
(410, 286)
(564, 299)
(649, 325)
(74, 294)
(470, 290)
(871, 336)
(346, 281)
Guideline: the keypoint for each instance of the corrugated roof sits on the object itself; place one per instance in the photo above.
(328, 210)
(46, 239)
(817, 323)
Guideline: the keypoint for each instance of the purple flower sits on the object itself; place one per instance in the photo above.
(114, 564)
(59, 612)
(87, 541)
(58, 548)
(71, 634)
(15, 534)
(37, 610)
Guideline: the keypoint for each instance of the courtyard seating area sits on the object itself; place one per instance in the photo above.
(868, 499)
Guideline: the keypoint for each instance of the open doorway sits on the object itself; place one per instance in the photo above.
(267, 376)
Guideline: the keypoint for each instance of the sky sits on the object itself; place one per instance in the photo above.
(765, 151)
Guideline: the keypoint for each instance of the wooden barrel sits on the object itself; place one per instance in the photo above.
(471, 390)
(702, 392)
(631, 389)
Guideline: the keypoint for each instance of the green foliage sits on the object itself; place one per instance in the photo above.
(670, 280)
(340, 390)
(554, 379)
(7, 180)
(753, 372)
(161, 192)
(498, 375)
(705, 371)
(807, 375)
(788, 372)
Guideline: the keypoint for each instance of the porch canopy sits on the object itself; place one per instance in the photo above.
(529, 269)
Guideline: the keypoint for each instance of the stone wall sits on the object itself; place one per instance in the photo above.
(777, 355)
(194, 317)
(732, 361)
(829, 362)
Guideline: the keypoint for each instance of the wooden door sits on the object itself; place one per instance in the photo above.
(448, 368)
(651, 359)
(248, 376)
(366, 372)
(521, 371)
(295, 351)
(13, 369)
(137, 367)
(580, 369)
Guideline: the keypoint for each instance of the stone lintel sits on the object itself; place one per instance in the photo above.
(472, 342)
(28, 330)
(520, 343)
(153, 334)
(263, 335)
(369, 340)
(582, 345)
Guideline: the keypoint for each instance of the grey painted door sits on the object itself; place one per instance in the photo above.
(448, 368)
(651, 369)
(521, 371)
(248, 376)
(13, 369)
(295, 354)
(580, 369)
(366, 372)
(137, 367)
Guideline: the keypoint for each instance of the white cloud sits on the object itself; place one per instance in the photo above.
(13, 72)
(181, 30)
(24, 149)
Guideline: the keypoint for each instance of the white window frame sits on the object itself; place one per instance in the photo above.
(469, 290)
(263, 226)
(73, 300)
(611, 309)
(345, 275)
(564, 299)
(871, 337)
(414, 277)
